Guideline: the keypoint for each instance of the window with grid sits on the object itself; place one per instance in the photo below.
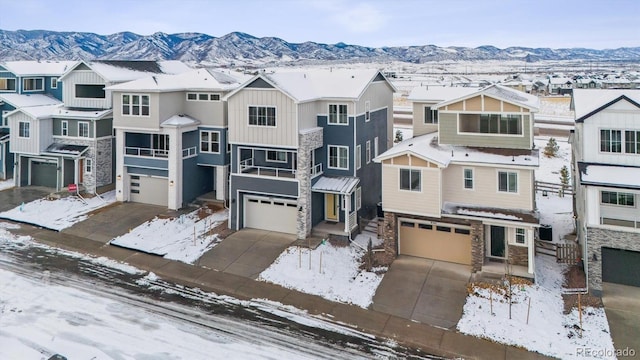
(83, 129)
(135, 105)
(468, 178)
(508, 181)
(64, 128)
(338, 114)
(33, 84)
(88, 166)
(210, 142)
(632, 142)
(338, 157)
(611, 141)
(23, 129)
(368, 151)
(617, 198)
(7, 84)
(430, 116)
(262, 116)
(520, 236)
(409, 180)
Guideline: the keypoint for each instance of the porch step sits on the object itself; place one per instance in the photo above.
(372, 226)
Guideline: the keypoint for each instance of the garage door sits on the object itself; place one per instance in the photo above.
(270, 214)
(621, 266)
(44, 173)
(435, 241)
(149, 190)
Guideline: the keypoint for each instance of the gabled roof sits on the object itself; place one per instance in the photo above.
(58, 111)
(503, 93)
(194, 80)
(438, 94)
(24, 100)
(427, 148)
(615, 176)
(313, 84)
(37, 112)
(38, 68)
(117, 71)
(587, 102)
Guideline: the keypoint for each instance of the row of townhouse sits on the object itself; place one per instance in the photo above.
(606, 176)
(288, 150)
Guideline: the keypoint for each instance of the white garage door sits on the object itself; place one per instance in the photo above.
(149, 190)
(270, 214)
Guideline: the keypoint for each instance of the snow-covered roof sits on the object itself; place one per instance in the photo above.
(38, 112)
(560, 80)
(24, 100)
(503, 93)
(67, 149)
(312, 84)
(180, 120)
(42, 68)
(194, 80)
(117, 71)
(67, 113)
(474, 211)
(427, 147)
(336, 184)
(585, 101)
(438, 94)
(626, 177)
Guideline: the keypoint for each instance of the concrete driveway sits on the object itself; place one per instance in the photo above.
(622, 306)
(429, 291)
(247, 252)
(13, 197)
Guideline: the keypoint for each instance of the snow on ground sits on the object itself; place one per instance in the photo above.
(549, 170)
(6, 184)
(58, 214)
(548, 331)
(174, 238)
(405, 130)
(338, 278)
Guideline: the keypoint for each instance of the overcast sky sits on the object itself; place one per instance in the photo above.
(598, 24)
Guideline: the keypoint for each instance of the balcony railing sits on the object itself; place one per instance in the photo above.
(316, 170)
(146, 152)
(189, 152)
(247, 167)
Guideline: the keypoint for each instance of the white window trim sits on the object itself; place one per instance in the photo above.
(197, 94)
(368, 151)
(517, 192)
(337, 116)
(15, 82)
(263, 126)
(4, 122)
(621, 206)
(276, 152)
(64, 128)
(375, 147)
(358, 198)
(524, 236)
(28, 127)
(35, 80)
(88, 129)
(329, 157)
(358, 156)
(424, 115)
(131, 105)
(367, 111)
(52, 81)
(210, 142)
(464, 179)
(487, 113)
(88, 166)
(400, 180)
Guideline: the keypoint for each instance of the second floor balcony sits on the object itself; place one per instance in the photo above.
(276, 163)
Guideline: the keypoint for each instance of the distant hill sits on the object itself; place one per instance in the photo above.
(243, 49)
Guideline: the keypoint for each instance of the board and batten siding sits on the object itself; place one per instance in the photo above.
(40, 134)
(449, 134)
(84, 77)
(419, 127)
(308, 114)
(619, 116)
(425, 202)
(151, 122)
(284, 134)
(485, 188)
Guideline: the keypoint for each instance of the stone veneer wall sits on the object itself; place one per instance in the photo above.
(390, 234)
(308, 141)
(518, 255)
(104, 162)
(598, 238)
(88, 180)
(477, 246)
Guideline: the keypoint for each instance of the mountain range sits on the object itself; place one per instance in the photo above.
(242, 49)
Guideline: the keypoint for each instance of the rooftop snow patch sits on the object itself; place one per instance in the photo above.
(24, 100)
(531, 217)
(66, 149)
(195, 80)
(439, 93)
(121, 71)
(626, 177)
(585, 101)
(42, 68)
(335, 184)
(180, 120)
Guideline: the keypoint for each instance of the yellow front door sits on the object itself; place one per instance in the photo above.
(331, 206)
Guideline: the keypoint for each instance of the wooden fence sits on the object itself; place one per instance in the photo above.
(554, 188)
(567, 253)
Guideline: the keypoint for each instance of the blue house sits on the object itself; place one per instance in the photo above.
(302, 144)
(24, 84)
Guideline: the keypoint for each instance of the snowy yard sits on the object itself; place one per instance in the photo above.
(6, 184)
(58, 214)
(183, 238)
(337, 278)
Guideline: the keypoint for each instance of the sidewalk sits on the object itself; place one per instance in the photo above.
(429, 339)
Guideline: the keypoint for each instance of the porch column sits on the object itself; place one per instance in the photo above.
(531, 241)
(221, 181)
(347, 206)
(175, 168)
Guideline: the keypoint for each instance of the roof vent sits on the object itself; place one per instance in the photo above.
(410, 145)
(181, 115)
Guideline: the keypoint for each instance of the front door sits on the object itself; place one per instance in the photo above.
(497, 242)
(331, 206)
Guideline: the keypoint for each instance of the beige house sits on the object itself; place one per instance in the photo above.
(462, 190)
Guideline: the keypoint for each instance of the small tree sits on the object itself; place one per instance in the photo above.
(551, 149)
(398, 136)
(564, 179)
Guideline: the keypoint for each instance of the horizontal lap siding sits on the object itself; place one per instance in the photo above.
(285, 133)
(485, 192)
(426, 202)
